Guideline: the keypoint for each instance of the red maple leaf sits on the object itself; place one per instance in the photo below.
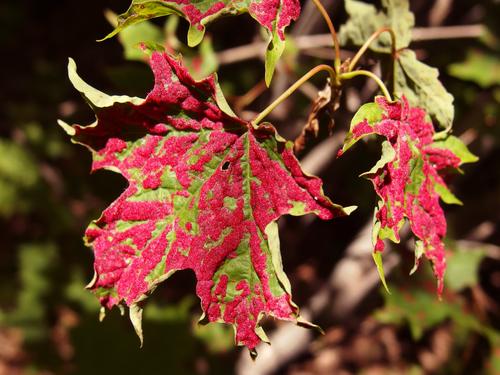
(204, 192)
(409, 177)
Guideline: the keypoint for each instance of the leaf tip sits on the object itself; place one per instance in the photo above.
(71, 64)
(110, 35)
(102, 313)
(307, 324)
(350, 209)
(259, 331)
(111, 17)
(274, 51)
(253, 353)
(94, 278)
(195, 35)
(268, 77)
(377, 257)
(67, 128)
(135, 314)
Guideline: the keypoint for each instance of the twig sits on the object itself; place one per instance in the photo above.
(245, 52)
(439, 11)
(333, 33)
(305, 42)
(246, 99)
(369, 41)
(491, 250)
(447, 32)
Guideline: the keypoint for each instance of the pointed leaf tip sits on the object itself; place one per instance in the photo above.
(135, 314)
(102, 313)
(377, 258)
(67, 128)
(350, 209)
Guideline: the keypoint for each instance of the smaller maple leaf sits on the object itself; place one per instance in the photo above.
(409, 177)
(272, 15)
(205, 189)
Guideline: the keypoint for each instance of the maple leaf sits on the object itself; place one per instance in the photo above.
(412, 78)
(273, 15)
(204, 192)
(420, 83)
(365, 19)
(409, 177)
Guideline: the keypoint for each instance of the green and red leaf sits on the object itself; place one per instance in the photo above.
(409, 177)
(273, 15)
(204, 192)
(417, 81)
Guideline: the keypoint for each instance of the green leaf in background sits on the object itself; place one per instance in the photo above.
(493, 364)
(18, 174)
(422, 311)
(204, 63)
(30, 313)
(479, 67)
(140, 40)
(412, 78)
(365, 19)
(131, 37)
(218, 338)
(463, 268)
(274, 16)
(420, 84)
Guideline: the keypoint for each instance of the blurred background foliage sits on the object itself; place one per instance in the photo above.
(49, 322)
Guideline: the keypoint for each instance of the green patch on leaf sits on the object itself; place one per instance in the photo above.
(367, 115)
(131, 37)
(446, 195)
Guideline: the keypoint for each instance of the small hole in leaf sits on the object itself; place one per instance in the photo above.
(225, 166)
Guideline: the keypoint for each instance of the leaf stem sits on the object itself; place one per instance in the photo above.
(369, 74)
(369, 41)
(292, 88)
(333, 33)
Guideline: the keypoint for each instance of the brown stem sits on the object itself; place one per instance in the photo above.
(333, 33)
(294, 87)
(247, 98)
(369, 41)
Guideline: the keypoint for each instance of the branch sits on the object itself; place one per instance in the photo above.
(305, 42)
(447, 32)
